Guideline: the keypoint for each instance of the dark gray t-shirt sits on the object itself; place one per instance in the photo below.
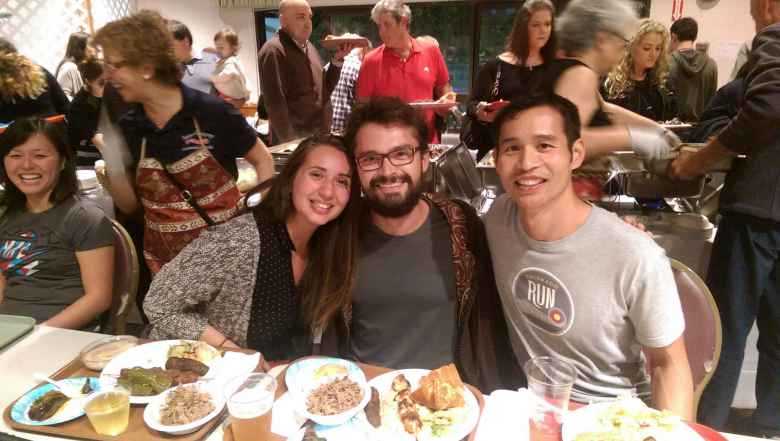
(38, 256)
(404, 302)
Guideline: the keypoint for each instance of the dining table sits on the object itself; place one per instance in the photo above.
(45, 350)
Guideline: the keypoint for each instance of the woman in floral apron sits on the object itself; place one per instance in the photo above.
(183, 143)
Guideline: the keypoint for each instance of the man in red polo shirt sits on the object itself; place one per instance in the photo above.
(403, 67)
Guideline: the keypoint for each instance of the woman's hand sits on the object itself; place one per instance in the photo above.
(483, 114)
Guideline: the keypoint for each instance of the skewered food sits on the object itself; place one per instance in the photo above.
(407, 409)
(45, 406)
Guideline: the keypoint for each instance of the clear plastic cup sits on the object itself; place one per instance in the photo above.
(249, 399)
(109, 411)
(550, 381)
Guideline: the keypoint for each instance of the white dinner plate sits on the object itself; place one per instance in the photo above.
(152, 410)
(359, 429)
(586, 419)
(148, 355)
(457, 431)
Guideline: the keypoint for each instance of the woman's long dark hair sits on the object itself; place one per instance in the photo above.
(327, 281)
(76, 50)
(20, 132)
(517, 43)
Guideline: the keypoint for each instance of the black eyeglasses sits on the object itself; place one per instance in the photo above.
(398, 157)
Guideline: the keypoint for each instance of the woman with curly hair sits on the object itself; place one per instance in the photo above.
(639, 83)
(182, 143)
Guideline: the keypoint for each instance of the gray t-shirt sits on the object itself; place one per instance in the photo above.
(198, 72)
(404, 301)
(38, 256)
(593, 298)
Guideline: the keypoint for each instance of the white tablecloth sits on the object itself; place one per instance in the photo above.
(46, 350)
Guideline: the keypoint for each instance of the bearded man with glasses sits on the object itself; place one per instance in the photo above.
(425, 294)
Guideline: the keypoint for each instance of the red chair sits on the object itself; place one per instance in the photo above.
(126, 270)
(703, 333)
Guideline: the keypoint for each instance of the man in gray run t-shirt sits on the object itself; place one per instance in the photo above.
(425, 295)
(576, 282)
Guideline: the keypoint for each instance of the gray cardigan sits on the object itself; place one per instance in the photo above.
(211, 282)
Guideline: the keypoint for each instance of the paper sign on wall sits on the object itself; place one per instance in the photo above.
(677, 9)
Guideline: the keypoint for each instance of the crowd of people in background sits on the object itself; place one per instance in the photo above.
(345, 250)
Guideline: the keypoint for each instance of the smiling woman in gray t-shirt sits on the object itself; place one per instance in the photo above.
(56, 251)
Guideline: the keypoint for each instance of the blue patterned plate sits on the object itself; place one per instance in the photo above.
(302, 372)
(69, 411)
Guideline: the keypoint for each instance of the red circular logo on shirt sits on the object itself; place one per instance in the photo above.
(544, 300)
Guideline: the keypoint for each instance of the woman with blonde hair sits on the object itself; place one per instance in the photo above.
(592, 35)
(639, 83)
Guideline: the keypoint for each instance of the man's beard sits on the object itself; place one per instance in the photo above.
(395, 205)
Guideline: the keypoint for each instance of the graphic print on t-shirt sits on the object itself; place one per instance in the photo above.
(191, 141)
(544, 300)
(18, 257)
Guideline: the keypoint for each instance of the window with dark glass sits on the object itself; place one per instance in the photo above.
(469, 32)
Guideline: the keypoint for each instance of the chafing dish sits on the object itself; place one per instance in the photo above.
(453, 172)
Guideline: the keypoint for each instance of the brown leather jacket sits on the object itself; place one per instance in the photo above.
(483, 355)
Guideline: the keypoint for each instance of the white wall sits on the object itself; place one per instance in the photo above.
(205, 18)
(725, 26)
(40, 28)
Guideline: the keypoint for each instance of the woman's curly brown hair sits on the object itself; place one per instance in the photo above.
(142, 39)
(620, 79)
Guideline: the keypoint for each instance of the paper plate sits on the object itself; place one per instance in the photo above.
(69, 411)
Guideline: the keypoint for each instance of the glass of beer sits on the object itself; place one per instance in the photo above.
(249, 399)
(109, 410)
(550, 381)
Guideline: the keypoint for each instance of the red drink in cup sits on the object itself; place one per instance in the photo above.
(549, 381)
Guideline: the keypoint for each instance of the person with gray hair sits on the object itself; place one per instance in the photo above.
(404, 67)
(397, 8)
(295, 85)
(593, 35)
